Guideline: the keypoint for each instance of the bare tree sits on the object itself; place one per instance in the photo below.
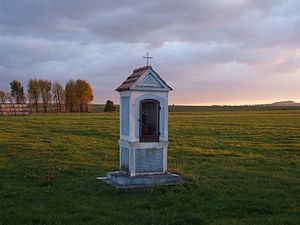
(9, 97)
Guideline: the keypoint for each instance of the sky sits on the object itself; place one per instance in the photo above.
(210, 52)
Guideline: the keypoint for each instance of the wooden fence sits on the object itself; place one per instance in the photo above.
(14, 110)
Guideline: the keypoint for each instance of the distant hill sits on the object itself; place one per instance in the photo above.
(284, 104)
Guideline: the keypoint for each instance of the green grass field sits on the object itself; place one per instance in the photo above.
(239, 167)
(181, 108)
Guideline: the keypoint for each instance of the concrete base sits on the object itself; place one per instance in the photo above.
(120, 180)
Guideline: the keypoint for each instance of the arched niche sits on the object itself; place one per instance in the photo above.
(149, 120)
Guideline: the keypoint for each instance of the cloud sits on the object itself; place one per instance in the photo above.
(221, 47)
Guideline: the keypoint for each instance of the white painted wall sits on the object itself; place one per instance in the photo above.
(132, 141)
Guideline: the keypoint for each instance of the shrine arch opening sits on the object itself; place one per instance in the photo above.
(149, 120)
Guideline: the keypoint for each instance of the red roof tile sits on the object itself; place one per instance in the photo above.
(136, 74)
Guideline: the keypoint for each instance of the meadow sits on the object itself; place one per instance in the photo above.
(239, 167)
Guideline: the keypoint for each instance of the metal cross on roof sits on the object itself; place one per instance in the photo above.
(147, 57)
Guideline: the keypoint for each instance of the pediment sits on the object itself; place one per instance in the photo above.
(150, 81)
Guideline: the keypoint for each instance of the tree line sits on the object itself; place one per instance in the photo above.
(74, 97)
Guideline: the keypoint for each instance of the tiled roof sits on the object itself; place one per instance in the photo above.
(136, 74)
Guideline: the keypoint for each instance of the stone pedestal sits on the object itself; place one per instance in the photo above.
(121, 180)
(143, 158)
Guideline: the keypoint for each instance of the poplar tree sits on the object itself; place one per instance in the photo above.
(78, 95)
(45, 89)
(57, 93)
(34, 92)
(17, 91)
(71, 100)
(84, 94)
(2, 96)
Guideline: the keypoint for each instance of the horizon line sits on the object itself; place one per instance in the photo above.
(253, 103)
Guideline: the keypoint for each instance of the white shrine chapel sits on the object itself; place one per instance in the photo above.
(143, 139)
